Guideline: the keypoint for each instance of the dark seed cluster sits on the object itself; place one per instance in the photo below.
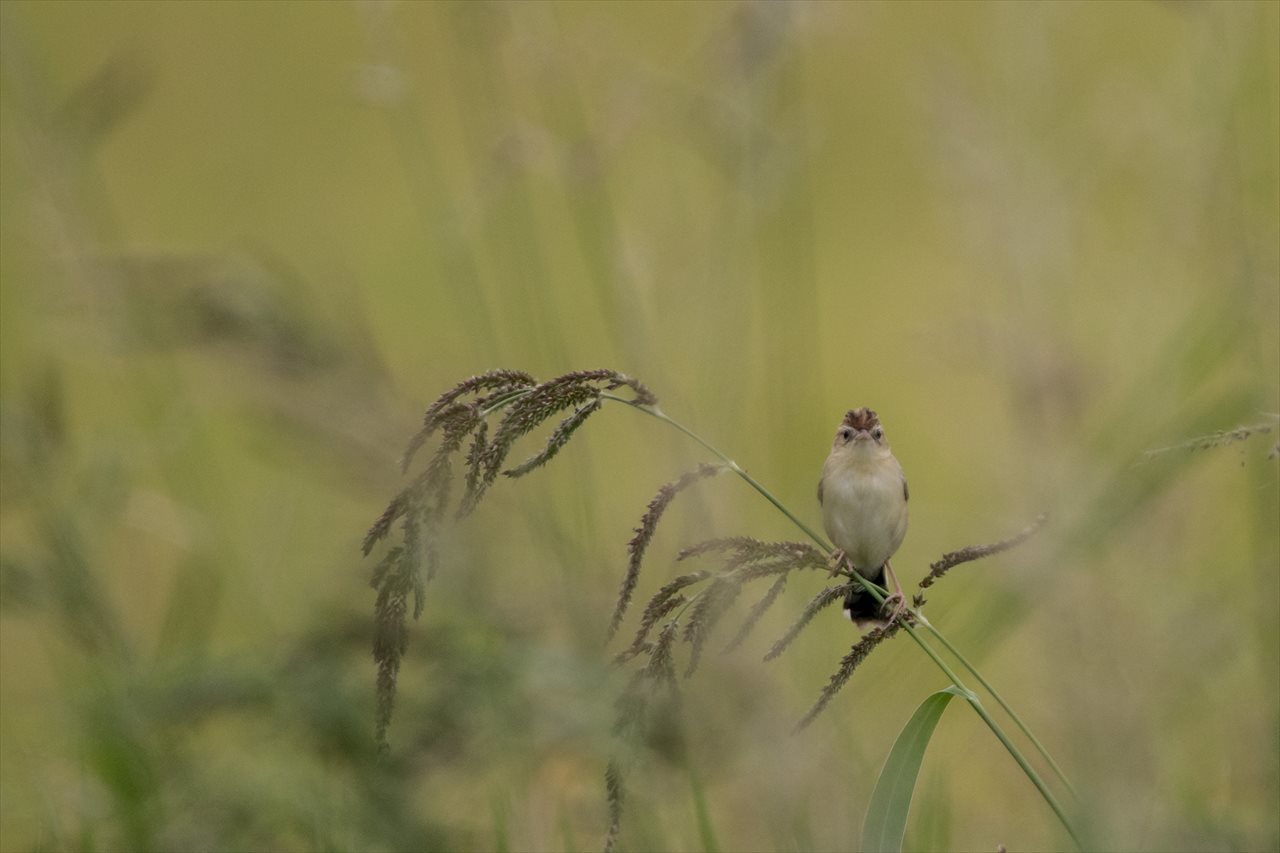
(459, 414)
(819, 602)
(976, 552)
(613, 795)
(850, 662)
(644, 535)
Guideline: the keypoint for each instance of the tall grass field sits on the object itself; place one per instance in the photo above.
(650, 254)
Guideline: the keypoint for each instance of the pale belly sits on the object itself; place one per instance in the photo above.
(866, 516)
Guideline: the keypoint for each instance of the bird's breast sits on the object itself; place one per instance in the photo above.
(864, 511)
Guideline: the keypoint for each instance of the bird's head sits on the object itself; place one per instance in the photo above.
(860, 434)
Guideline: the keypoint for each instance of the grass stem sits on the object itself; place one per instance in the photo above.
(654, 411)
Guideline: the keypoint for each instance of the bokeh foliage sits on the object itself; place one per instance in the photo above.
(244, 244)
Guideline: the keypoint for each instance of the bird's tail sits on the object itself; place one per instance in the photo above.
(861, 608)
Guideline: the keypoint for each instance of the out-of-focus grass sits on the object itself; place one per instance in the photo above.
(242, 245)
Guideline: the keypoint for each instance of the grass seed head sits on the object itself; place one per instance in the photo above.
(557, 440)
(614, 797)
(743, 550)
(712, 604)
(757, 611)
(661, 604)
(848, 664)
(976, 552)
(819, 602)
(500, 382)
(644, 535)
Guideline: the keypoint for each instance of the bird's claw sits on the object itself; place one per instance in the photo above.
(893, 605)
(837, 559)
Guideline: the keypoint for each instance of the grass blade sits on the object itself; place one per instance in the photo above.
(886, 820)
(706, 830)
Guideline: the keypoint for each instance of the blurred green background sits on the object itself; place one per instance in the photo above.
(245, 244)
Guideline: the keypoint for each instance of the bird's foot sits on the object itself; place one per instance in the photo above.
(896, 603)
(838, 559)
(893, 606)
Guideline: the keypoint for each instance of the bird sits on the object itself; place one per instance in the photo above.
(863, 494)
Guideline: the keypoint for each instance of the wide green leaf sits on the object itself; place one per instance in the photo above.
(886, 820)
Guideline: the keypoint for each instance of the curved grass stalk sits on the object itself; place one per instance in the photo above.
(654, 411)
(879, 594)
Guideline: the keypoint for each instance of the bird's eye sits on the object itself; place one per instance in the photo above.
(846, 434)
(877, 433)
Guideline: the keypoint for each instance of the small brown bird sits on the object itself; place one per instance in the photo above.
(863, 494)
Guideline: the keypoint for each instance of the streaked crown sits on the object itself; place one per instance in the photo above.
(859, 419)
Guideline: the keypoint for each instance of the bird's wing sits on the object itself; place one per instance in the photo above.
(906, 492)
(819, 491)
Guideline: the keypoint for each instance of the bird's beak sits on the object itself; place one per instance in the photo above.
(861, 435)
